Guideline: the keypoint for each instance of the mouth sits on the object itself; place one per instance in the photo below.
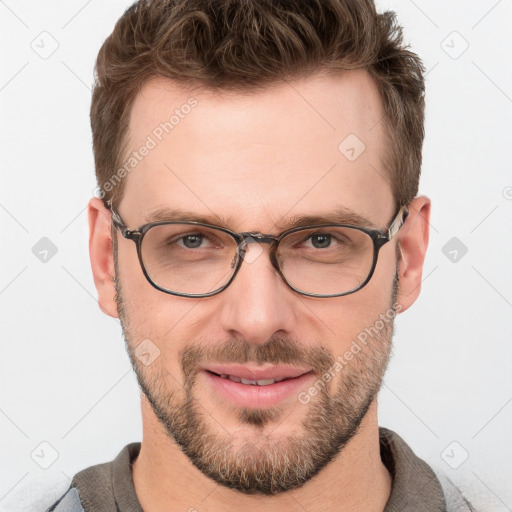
(255, 386)
(250, 382)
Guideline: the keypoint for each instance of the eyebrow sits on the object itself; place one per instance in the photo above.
(341, 215)
(172, 214)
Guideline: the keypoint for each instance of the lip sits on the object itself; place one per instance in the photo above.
(256, 396)
(253, 372)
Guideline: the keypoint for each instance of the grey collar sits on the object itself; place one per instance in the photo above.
(416, 488)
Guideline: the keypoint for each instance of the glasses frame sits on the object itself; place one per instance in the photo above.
(242, 240)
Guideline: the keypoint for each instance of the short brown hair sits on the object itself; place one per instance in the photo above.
(249, 44)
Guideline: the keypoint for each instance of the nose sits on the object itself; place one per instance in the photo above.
(258, 303)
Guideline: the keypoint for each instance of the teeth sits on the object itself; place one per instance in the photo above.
(261, 382)
(265, 382)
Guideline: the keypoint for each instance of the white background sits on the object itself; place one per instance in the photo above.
(64, 376)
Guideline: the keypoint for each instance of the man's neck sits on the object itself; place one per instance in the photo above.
(166, 481)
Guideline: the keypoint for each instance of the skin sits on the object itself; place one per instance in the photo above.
(255, 160)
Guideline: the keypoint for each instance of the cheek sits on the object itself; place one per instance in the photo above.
(151, 317)
(156, 335)
(338, 321)
(142, 302)
(376, 298)
(171, 322)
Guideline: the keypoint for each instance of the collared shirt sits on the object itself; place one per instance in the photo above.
(415, 488)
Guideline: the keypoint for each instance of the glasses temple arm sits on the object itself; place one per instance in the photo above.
(398, 222)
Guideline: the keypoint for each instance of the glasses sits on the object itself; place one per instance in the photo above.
(192, 259)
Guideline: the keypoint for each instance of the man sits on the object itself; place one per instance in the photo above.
(257, 232)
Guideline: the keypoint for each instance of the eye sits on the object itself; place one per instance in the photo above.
(192, 241)
(321, 240)
(326, 240)
(198, 240)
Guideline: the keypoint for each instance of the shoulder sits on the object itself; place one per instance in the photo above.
(415, 481)
(94, 488)
(455, 500)
(70, 502)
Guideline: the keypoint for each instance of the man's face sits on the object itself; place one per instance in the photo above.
(256, 161)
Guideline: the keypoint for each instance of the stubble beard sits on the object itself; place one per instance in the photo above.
(266, 464)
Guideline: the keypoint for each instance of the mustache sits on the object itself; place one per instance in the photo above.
(277, 350)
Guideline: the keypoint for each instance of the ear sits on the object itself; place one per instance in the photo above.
(413, 242)
(101, 254)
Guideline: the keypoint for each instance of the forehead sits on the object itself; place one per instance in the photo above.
(298, 148)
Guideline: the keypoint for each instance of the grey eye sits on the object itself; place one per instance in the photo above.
(192, 241)
(321, 240)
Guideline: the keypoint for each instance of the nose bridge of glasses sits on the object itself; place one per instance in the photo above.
(257, 237)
